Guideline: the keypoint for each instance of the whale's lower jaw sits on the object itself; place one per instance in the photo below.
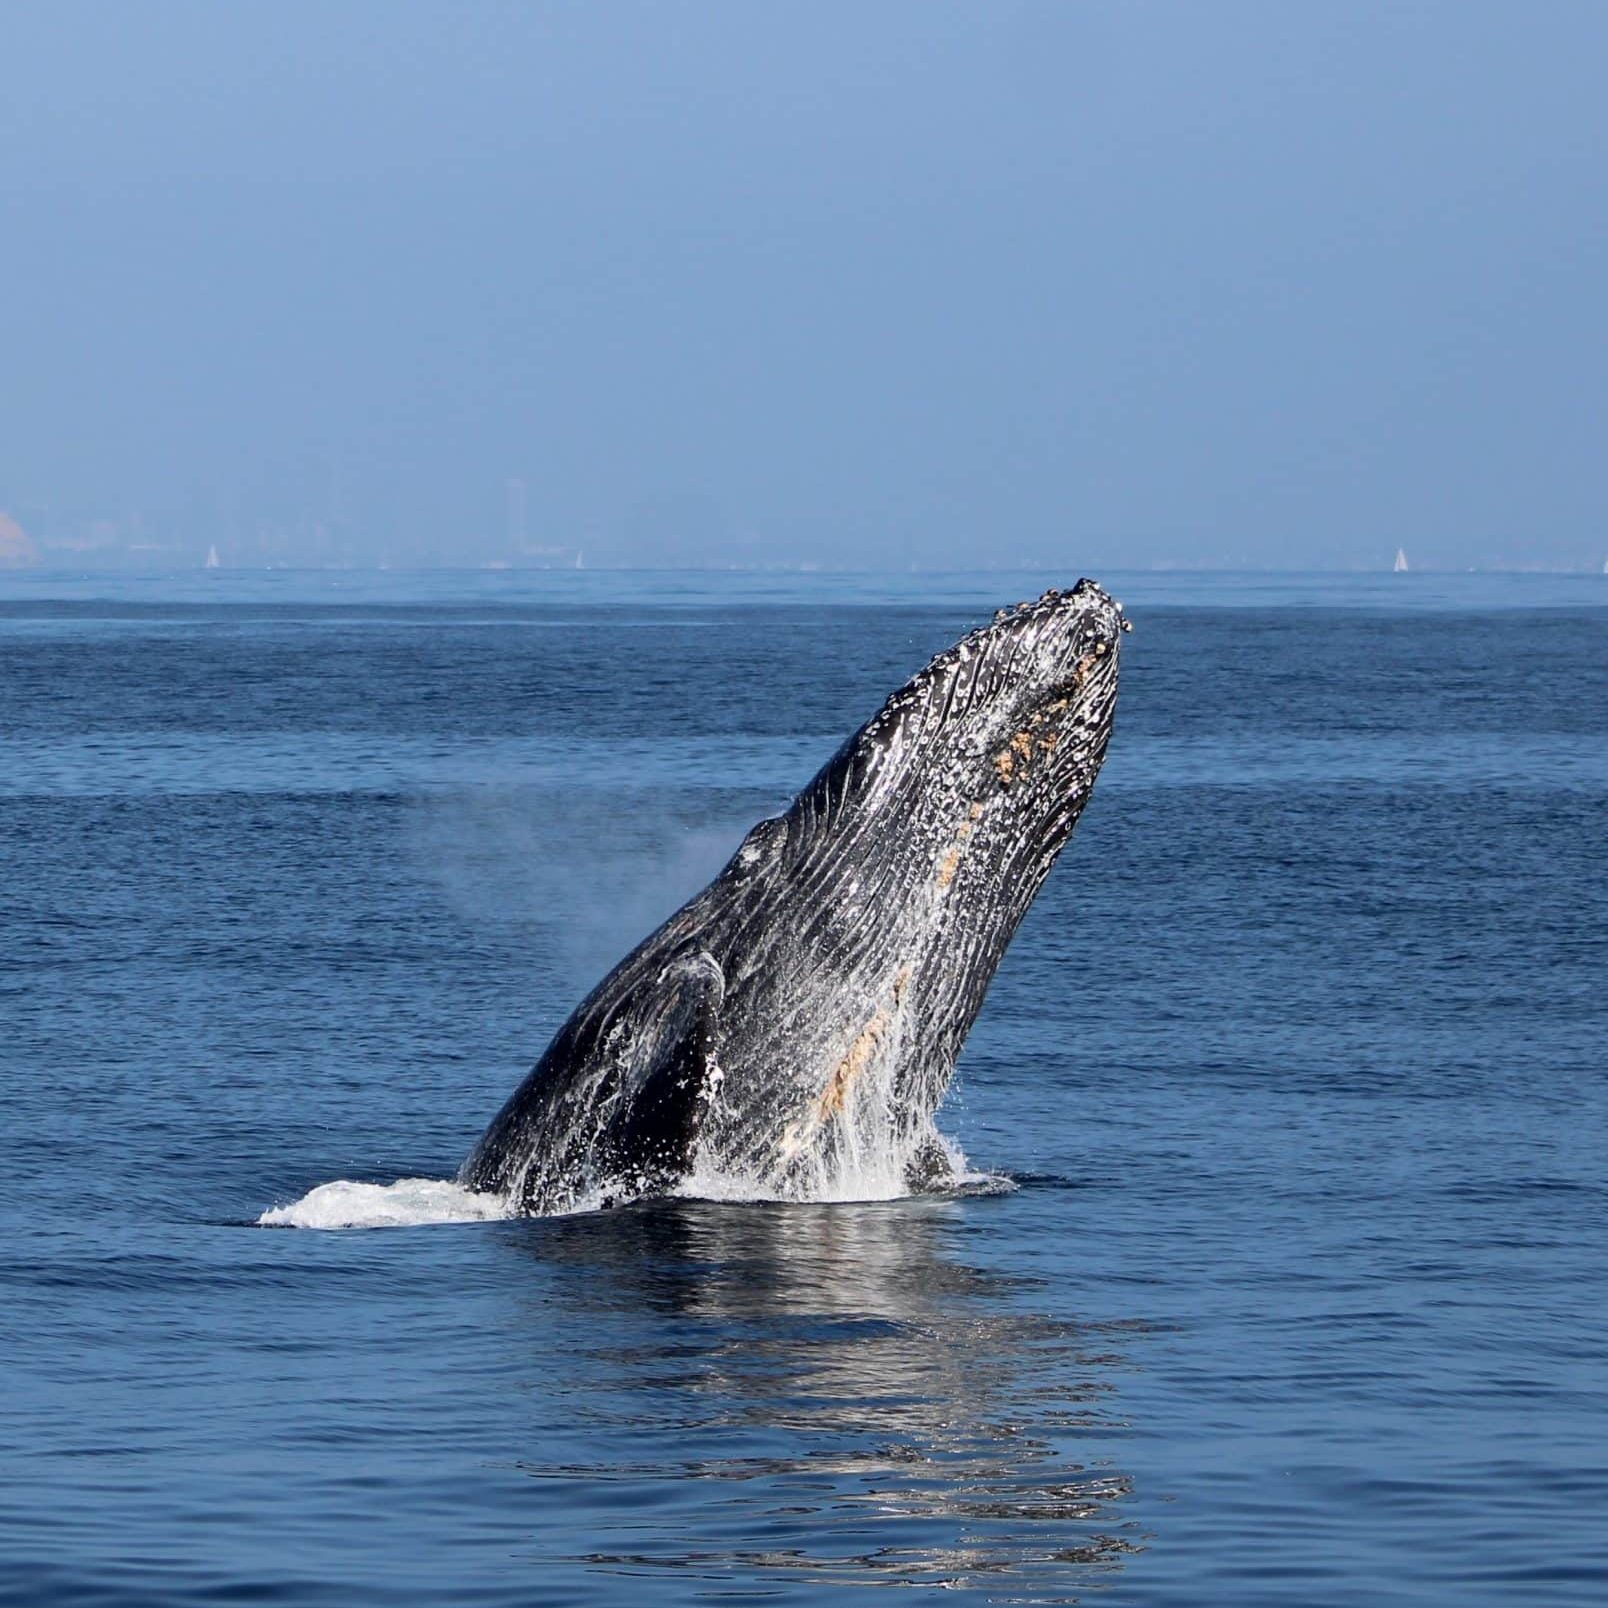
(790, 1032)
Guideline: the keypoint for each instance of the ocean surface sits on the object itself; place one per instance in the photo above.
(1298, 1294)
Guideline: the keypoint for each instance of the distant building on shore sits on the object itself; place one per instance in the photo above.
(16, 550)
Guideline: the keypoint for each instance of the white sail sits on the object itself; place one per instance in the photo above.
(212, 558)
(1401, 560)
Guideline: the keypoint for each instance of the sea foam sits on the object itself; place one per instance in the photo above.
(408, 1203)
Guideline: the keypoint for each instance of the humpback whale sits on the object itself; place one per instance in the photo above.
(794, 1026)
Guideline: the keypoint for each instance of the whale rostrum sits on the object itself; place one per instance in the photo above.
(792, 1029)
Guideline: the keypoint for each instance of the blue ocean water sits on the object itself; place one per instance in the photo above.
(1297, 1066)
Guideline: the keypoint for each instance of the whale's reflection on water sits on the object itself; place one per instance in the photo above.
(831, 1395)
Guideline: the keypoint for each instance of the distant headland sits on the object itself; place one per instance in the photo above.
(16, 550)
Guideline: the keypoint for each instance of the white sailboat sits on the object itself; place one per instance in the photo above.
(212, 558)
(1401, 561)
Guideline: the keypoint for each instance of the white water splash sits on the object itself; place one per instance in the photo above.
(859, 1176)
(417, 1202)
(408, 1203)
(708, 1184)
(844, 1192)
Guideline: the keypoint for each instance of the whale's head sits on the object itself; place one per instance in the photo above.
(894, 883)
(1012, 724)
(950, 804)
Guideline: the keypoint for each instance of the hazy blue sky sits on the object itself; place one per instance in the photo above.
(1287, 283)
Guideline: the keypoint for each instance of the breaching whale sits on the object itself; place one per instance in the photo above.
(794, 1026)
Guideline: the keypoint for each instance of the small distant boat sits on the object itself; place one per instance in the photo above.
(1401, 561)
(212, 558)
